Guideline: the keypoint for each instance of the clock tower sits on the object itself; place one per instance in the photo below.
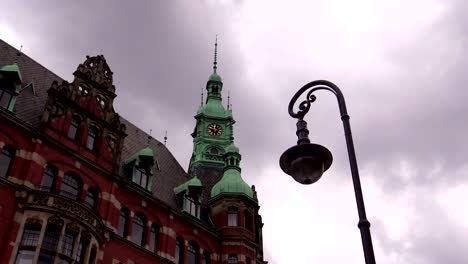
(213, 131)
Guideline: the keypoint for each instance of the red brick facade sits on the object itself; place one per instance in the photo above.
(62, 201)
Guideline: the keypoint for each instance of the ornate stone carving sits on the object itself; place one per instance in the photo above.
(97, 70)
(34, 221)
(40, 199)
(56, 220)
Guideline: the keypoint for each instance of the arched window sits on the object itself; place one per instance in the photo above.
(92, 135)
(123, 218)
(71, 186)
(91, 198)
(7, 153)
(81, 250)
(28, 243)
(247, 220)
(68, 242)
(179, 251)
(74, 126)
(232, 259)
(153, 241)
(232, 216)
(92, 256)
(206, 257)
(192, 253)
(138, 229)
(48, 179)
(52, 236)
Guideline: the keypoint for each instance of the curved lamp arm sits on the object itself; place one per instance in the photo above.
(304, 107)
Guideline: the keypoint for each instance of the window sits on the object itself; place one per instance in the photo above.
(51, 237)
(247, 220)
(58, 245)
(153, 241)
(30, 235)
(91, 197)
(191, 205)
(248, 261)
(5, 96)
(81, 250)
(68, 242)
(48, 179)
(179, 256)
(74, 126)
(140, 177)
(206, 257)
(192, 251)
(92, 256)
(7, 153)
(232, 259)
(214, 151)
(122, 228)
(101, 101)
(25, 257)
(92, 134)
(232, 216)
(138, 230)
(83, 91)
(70, 186)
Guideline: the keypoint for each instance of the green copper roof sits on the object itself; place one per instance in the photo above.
(146, 152)
(215, 77)
(13, 70)
(232, 149)
(192, 183)
(232, 182)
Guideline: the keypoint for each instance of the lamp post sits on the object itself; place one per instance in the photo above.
(306, 162)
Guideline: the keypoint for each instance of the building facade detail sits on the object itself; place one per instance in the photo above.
(80, 184)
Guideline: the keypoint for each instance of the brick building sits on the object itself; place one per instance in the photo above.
(81, 184)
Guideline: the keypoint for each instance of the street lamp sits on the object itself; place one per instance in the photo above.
(306, 162)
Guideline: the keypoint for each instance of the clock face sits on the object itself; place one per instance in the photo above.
(215, 129)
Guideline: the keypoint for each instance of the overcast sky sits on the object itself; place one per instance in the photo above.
(400, 64)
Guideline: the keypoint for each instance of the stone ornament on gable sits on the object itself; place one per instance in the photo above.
(97, 70)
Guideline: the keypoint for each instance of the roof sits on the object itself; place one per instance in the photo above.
(29, 108)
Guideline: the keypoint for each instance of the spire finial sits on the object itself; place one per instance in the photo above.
(215, 63)
(165, 138)
(18, 54)
(201, 96)
(149, 137)
(229, 100)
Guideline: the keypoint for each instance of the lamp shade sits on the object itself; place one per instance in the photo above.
(306, 162)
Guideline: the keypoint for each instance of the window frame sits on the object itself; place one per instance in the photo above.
(74, 127)
(233, 216)
(78, 187)
(93, 134)
(9, 152)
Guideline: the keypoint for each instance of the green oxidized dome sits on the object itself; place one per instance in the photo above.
(232, 182)
(215, 77)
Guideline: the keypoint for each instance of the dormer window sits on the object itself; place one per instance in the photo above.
(232, 216)
(141, 177)
(74, 126)
(139, 168)
(5, 96)
(91, 141)
(192, 205)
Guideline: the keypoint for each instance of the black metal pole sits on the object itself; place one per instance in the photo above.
(364, 224)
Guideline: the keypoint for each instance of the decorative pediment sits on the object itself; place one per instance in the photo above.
(96, 71)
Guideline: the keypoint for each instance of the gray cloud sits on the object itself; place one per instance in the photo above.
(405, 90)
